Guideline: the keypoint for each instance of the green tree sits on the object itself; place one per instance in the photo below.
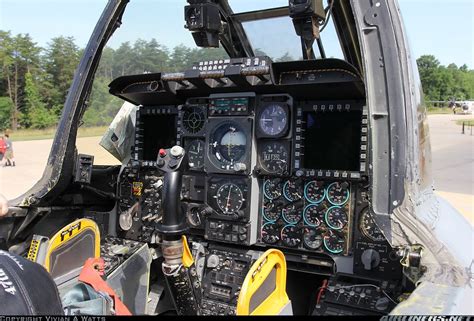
(103, 106)
(106, 65)
(6, 105)
(122, 57)
(19, 55)
(60, 62)
(179, 59)
(38, 116)
(430, 76)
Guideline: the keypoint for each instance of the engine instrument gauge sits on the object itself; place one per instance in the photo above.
(274, 157)
(290, 235)
(314, 192)
(336, 218)
(270, 211)
(292, 213)
(196, 154)
(272, 189)
(292, 190)
(227, 145)
(270, 233)
(194, 119)
(273, 120)
(313, 214)
(312, 238)
(333, 242)
(368, 227)
(338, 193)
(229, 198)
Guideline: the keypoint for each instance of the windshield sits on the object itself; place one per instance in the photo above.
(252, 5)
(277, 38)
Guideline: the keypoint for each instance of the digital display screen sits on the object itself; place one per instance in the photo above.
(159, 131)
(332, 140)
(229, 105)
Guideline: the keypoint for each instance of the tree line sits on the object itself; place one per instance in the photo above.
(34, 81)
(445, 83)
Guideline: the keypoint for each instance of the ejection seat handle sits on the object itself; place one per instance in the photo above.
(92, 273)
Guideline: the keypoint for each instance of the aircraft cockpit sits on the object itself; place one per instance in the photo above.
(246, 185)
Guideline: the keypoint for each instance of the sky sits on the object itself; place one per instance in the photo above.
(444, 28)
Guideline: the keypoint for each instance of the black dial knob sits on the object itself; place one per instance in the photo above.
(370, 258)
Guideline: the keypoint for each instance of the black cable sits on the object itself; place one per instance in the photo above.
(321, 48)
(329, 11)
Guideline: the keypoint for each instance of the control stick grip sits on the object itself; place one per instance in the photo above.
(172, 162)
(171, 193)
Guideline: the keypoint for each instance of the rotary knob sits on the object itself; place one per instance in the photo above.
(240, 167)
(177, 151)
(370, 258)
(213, 261)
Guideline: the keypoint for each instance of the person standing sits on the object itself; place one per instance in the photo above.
(3, 206)
(10, 159)
(3, 149)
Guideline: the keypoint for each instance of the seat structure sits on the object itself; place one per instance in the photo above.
(63, 255)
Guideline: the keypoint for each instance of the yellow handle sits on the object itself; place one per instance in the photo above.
(187, 258)
(258, 273)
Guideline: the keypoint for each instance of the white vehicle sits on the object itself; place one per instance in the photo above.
(467, 107)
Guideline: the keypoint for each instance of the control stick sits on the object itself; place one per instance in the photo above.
(181, 276)
(170, 161)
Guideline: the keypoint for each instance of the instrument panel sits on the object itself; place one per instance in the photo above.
(273, 161)
(308, 215)
(241, 143)
(266, 170)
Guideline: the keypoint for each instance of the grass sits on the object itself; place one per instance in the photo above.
(439, 110)
(467, 122)
(48, 133)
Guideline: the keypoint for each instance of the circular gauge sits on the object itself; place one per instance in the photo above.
(196, 154)
(312, 239)
(368, 227)
(290, 236)
(194, 216)
(270, 233)
(229, 198)
(274, 158)
(338, 193)
(271, 212)
(193, 119)
(291, 214)
(292, 191)
(333, 242)
(313, 214)
(272, 189)
(314, 192)
(336, 218)
(228, 145)
(273, 120)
